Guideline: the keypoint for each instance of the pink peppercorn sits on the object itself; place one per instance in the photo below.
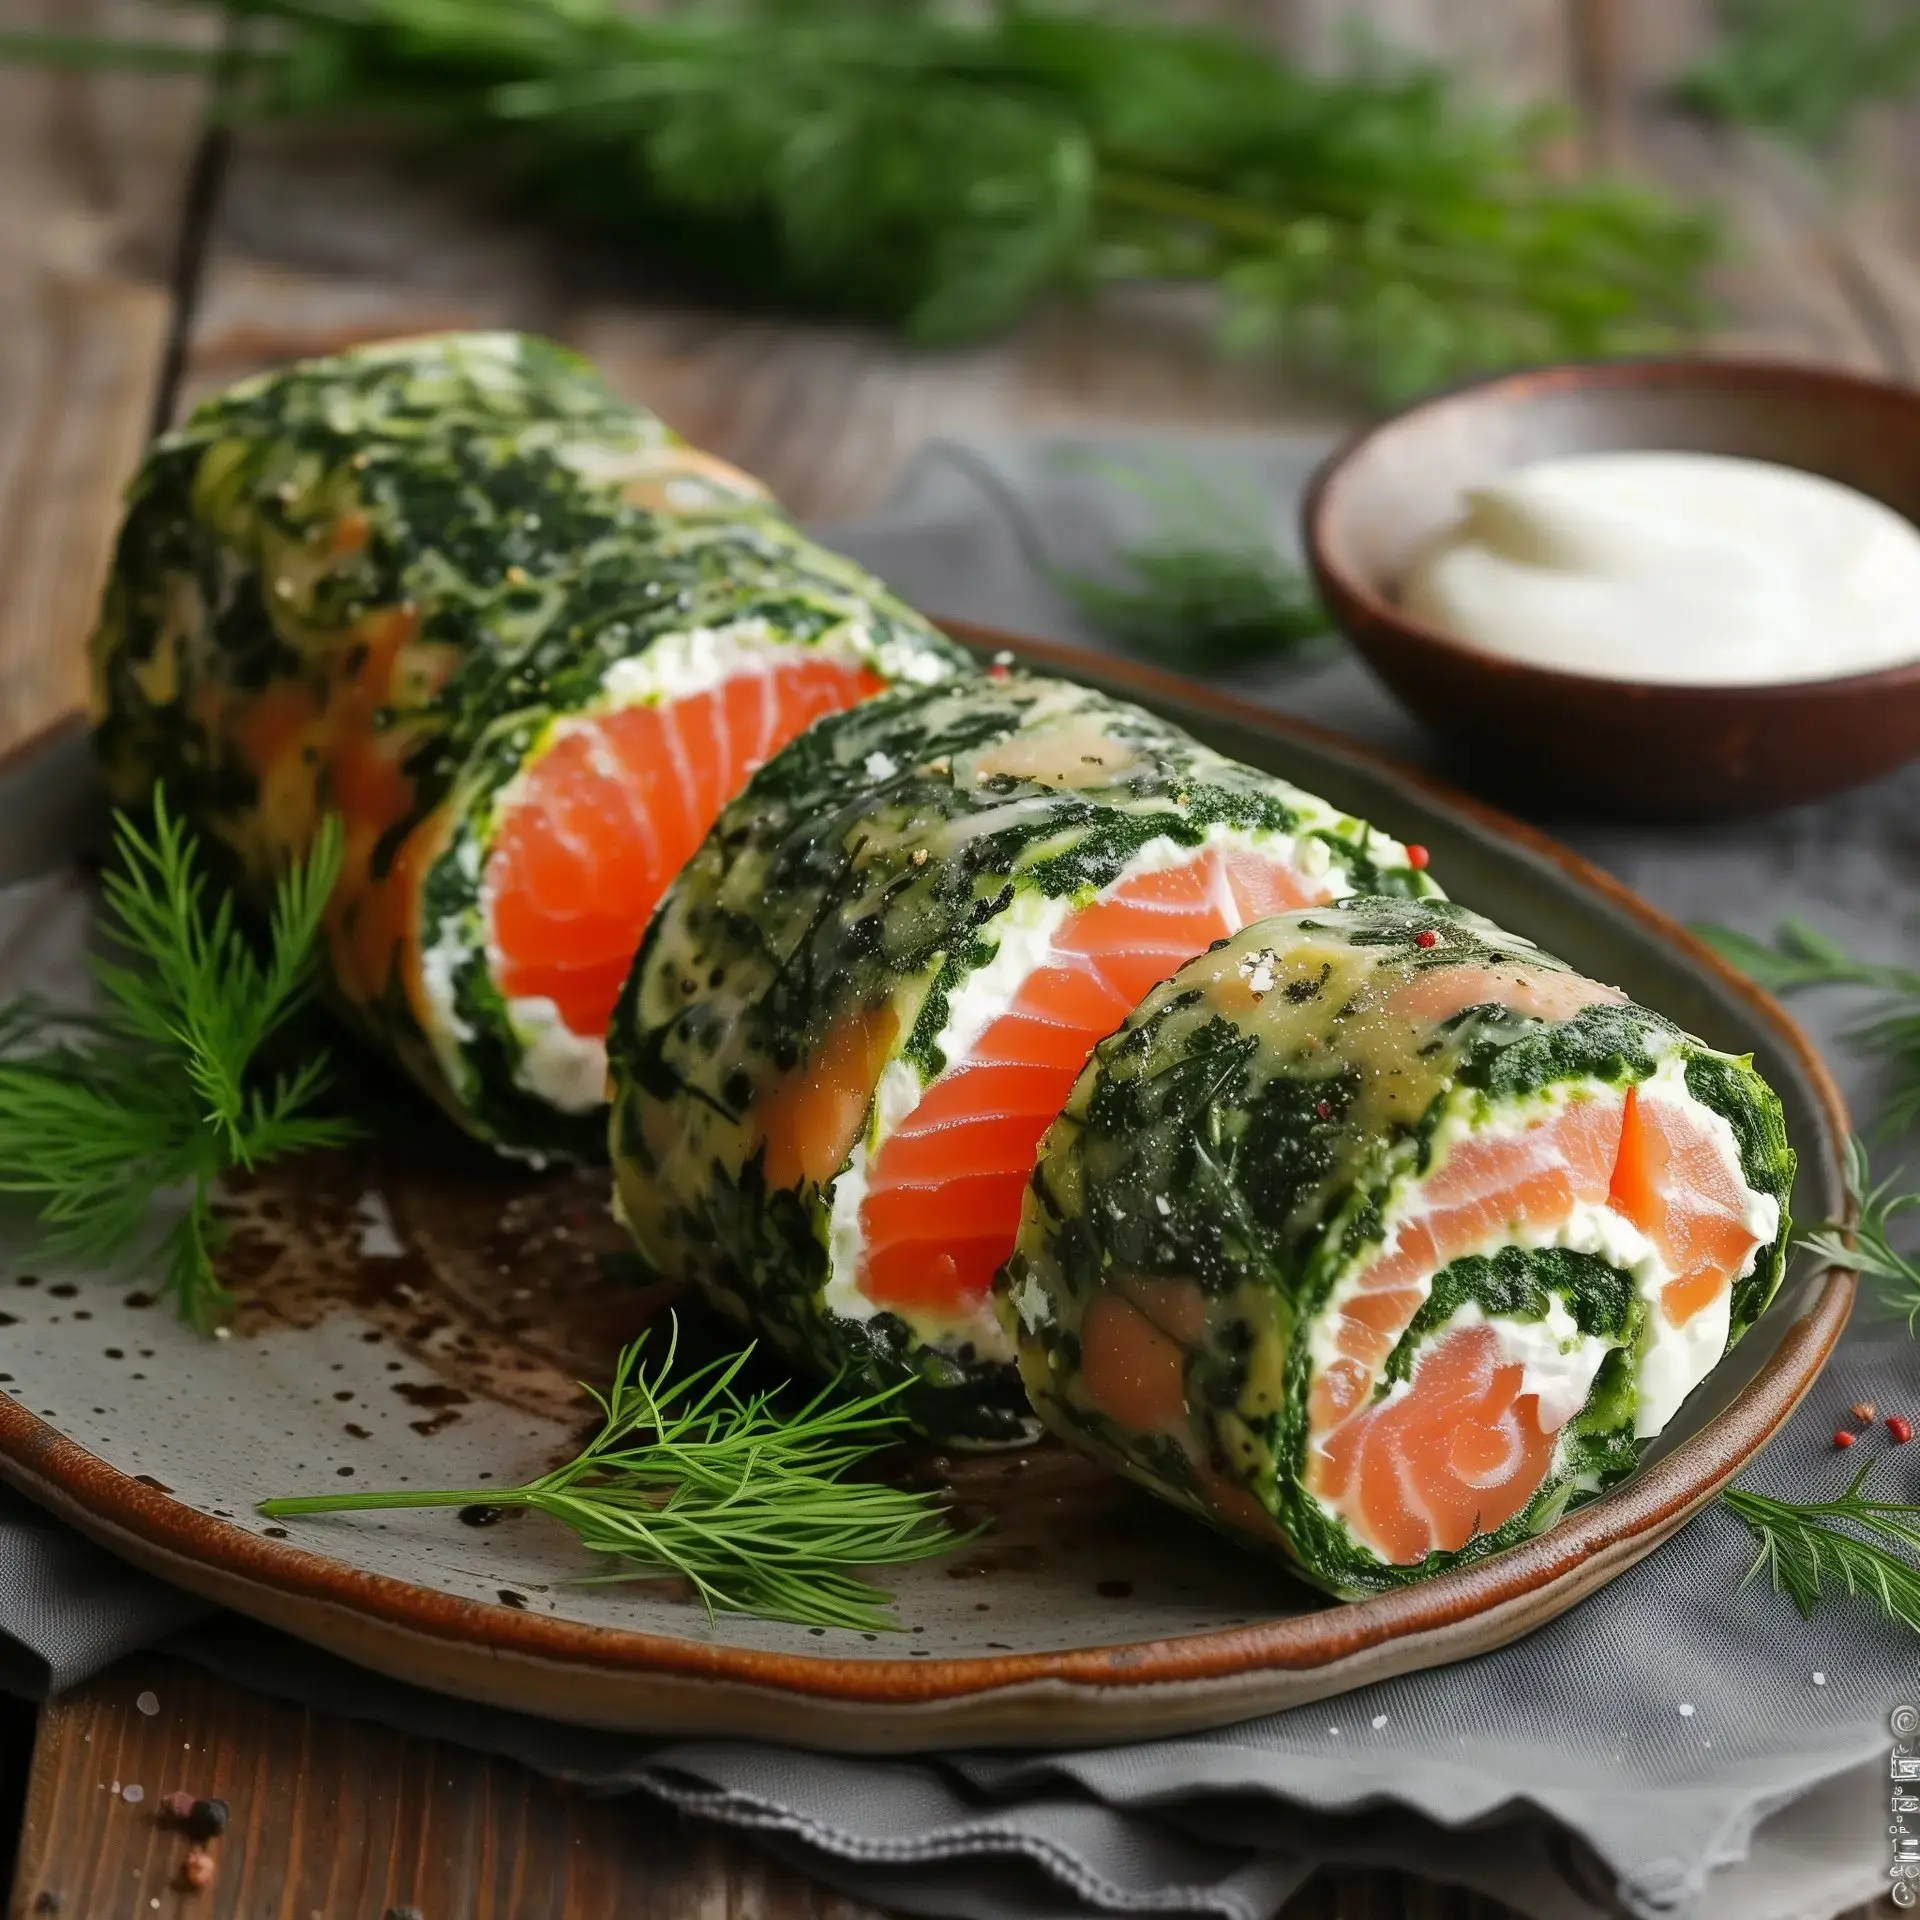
(197, 1869)
(178, 1804)
(1843, 1438)
(1900, 1427)
(1417, 858)
(1426, 937)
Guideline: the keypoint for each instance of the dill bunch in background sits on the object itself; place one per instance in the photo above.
(943, 168)
(1801, 68)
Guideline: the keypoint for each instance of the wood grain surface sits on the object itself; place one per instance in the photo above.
(339, 1819)
(134, 249)
(93, 179)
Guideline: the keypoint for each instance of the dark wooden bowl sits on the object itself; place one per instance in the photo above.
(1575, 739)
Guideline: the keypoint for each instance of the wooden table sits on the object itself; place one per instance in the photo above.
(144, 261)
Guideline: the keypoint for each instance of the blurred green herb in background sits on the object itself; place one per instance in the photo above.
(1802, 956)
(1800, 68)
(1205, 588)
(943, 168)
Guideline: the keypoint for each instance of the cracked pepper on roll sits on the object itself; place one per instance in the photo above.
(523, 639)
(871, 990)
(1380, 1237)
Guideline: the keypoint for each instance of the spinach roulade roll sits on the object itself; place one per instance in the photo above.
(524, 640)
(1378, 1236)
(871, 990)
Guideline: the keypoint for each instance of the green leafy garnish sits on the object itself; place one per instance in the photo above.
(1873, 1252)
(1802, 956)
(161, 1089)
(1205, 589)
(945, 168)
(1797, 1543)
(749, 1502)
(1803, 1549)
(1203, 605)
(1801, 68)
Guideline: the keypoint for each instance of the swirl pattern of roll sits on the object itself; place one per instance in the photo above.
(871, 990)
(518, 635)
(1377, 1236)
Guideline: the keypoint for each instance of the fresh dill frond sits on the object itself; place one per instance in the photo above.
(1873, 1253)
(159, 1088)
(948, 168)
(1802, 68)
(750, 1502)
(1859, 1544)
(1802, 956)
(1202, 606)
(1207, 588)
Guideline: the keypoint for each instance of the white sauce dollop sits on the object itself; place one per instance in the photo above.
(1690, 569)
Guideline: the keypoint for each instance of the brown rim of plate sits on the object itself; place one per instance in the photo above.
(1732, 373)
(1656, 1499)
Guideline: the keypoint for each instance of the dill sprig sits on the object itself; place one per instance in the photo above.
(945, 168)
(749, 1502)
(1802, 956)
(1851, 1541)
(1871, 1251)
(1205, 588)
(1802, 68)
(159, 1089)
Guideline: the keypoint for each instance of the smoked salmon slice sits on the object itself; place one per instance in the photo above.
(1452, 1234)
(602, 820)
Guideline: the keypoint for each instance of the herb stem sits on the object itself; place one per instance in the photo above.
(296, 1505)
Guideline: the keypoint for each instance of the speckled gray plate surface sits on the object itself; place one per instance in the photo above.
(417, 1313)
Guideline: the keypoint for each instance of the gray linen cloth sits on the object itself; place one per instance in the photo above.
(1673, 1746)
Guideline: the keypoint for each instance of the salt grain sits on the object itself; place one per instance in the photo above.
(133, 1794)
(148, 1703)
(1379, 1721)
(1819, 1679)
(1686, 1709)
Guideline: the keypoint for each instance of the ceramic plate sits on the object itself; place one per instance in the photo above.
(417, 1314)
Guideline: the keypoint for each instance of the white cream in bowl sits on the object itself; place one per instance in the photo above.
(1690, 569)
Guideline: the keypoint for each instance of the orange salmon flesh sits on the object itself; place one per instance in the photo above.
(602, 820)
